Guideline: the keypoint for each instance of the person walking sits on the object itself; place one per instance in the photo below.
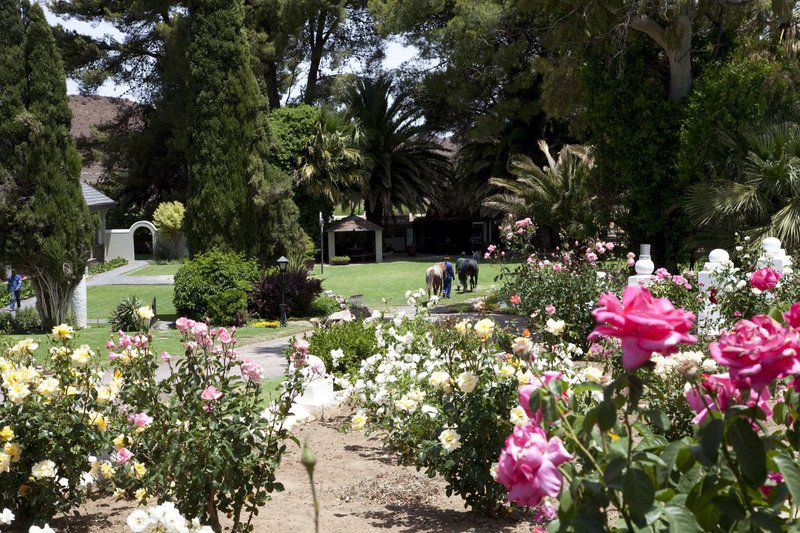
(448, 277)
(15, 289)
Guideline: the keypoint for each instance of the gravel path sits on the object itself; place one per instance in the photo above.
(118, 276)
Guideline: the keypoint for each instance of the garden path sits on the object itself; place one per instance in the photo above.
(118, 276)
(360, 486)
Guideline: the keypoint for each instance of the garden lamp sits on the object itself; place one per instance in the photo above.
(282, 264)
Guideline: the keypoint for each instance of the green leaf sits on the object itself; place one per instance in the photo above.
(658, 418)
(612, 475)
(750, 452)
(710, 438)
(680, 519)
(637, 488)
(791, 474)
(606, 415)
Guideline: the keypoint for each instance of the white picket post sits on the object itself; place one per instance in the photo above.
(644, 269)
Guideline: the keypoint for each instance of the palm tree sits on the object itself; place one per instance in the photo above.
(331, 164)
(762, 197)
(404, 166)
(555, 197)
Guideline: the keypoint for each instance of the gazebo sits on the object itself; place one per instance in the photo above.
(354, 225)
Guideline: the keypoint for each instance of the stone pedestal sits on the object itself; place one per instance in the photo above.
(774, 256)
(79, 303)
(318, 393)
(644, 269)
(718, 258)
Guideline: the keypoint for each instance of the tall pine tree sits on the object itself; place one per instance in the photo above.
(52, 229)
(235, 199)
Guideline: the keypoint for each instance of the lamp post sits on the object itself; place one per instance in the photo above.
(282, 264)
(321, 244)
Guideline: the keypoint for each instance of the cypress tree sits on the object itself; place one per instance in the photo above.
(225, 138)
(236, 200)
(52, 230)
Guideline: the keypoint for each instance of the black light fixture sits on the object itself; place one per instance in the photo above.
(282, 264)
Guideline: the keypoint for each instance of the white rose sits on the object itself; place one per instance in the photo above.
(138, 520)
(450, 440)
(556, 327)
(43, 469)
(467, 381)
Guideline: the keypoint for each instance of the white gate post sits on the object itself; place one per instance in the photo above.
(644, 269)
(79, 303)
(718, 258)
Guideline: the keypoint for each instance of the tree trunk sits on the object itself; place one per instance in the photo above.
(310, 93)
(375, 213)
(676, 41)
(271, 81)
(52, 300)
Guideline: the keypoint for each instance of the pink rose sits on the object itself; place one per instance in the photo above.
(166, 357)
(124, 340)
(524, 223)
(550, 309)
(528, 465)
(631, 262)
(764, 279)
(110, 345)
(536, 382)
(757, 352)
(643, 323)
(140, 419)
(301, 345)
(211, 394)
(793, 316)
(515, 299)
(184, 324)
(663, 273)
(609, 246)
(252, 371)
(487, 255)
(719, 387)
(224, 336)
(491, 248)
(631, 255)
(591, 257)
(773, 479)
(123, 456)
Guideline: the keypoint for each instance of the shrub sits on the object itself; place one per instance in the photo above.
(340, 260)
(205, 418)
(131, 314)
(324, 305)
(301, 290)
(168, 218)
(229, 308)
(343, 346)
(203, 279)
(105, 266)
(21, 322)
(48, 439)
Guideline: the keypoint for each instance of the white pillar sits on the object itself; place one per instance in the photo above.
(79, 303)
(644, 269)
(774, 256)
(709, 317)
(331, 245)
(379, 246)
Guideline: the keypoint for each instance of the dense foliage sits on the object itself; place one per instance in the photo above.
(299, 289)
(105, 266)
(199, 282)
(343, 347)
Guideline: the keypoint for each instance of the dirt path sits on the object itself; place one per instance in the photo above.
(360, 488)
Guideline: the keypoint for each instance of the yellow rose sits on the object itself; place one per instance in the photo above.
(62, 332)
(106, 470)
(48, 387)
(358, 422)
(5, 462)
(82, 355)
(13, 450)
(463, 326)
(138, 471)
(98, 421)
(484, 328)
(141, 495)
(145, 312)
(6, 434)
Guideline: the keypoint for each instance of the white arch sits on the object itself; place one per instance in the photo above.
(119, 242)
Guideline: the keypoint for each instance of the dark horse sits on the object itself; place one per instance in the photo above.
(469, 269)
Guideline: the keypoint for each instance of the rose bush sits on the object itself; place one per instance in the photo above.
(55, 420)
(198, 436)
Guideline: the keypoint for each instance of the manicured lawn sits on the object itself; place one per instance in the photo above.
(391, 280)
(102, 299)
(167, 269)
(169, 340)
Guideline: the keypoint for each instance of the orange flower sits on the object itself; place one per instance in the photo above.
(526, 333)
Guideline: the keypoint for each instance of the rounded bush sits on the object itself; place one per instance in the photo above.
(209, 277)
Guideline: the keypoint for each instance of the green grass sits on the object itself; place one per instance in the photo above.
(163, 341)
(102, 299)
(166, 269)
(390, 281)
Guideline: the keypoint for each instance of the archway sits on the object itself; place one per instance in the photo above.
(143, 234)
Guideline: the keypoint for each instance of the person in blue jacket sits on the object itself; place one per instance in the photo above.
(14, 289)
(449, 274)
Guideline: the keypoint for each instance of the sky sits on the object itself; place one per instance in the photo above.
(397, 53)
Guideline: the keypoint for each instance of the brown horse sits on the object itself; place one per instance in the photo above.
(434, 279)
